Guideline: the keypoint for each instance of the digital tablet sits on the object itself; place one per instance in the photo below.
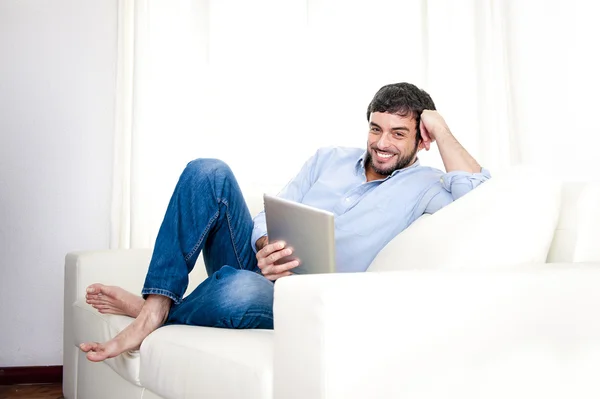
(308, 231)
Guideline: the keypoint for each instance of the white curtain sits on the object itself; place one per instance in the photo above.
(263, 84)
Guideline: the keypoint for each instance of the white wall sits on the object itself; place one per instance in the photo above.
(57, 83)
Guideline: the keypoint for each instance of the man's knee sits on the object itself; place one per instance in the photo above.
(208, 167)
(246, 291)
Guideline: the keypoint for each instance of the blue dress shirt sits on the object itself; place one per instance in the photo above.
(369, 214)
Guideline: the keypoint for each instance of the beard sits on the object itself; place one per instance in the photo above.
(402, 162)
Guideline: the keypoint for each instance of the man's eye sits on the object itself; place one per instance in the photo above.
(398, 135)
(374, 129)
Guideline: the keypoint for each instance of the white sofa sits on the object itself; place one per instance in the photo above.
(517, 329)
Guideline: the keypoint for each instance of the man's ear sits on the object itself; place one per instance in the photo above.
(421, 145)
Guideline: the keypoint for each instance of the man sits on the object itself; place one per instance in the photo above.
(374, 194)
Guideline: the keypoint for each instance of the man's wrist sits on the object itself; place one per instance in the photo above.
(443, 136)
(261, 242)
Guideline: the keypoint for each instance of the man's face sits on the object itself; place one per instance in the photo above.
(392, 144)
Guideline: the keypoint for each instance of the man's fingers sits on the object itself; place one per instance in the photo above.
(270, 248)
(278, 269)
(274, 257)
(286, 266)
(276, 246)
(274, 277)
(264, 261)
(425, 133)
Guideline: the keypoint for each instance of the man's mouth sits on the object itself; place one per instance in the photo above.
(383, 156)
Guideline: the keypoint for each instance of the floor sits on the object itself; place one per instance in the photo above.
(42, 391)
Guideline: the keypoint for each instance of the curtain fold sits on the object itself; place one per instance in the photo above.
(120, 235)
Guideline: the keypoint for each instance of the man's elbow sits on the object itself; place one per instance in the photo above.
(465, 186)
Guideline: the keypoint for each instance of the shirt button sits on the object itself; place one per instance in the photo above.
(348, 199)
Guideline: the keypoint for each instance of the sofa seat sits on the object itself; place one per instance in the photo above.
(201, 362)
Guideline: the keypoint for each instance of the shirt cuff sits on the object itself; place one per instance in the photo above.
(259, 230)
(459, 183)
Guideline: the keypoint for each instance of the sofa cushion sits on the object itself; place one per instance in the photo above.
(587, 245)
(509, 220)
(90, 325)
(198, 362)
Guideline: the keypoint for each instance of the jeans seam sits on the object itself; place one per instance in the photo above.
(206, 229)
(224, 320)
(232, 235)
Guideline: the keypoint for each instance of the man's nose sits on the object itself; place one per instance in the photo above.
(384, 141)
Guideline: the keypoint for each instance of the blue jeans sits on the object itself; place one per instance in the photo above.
(207, 213)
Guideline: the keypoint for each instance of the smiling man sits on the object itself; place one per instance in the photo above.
(374, 195)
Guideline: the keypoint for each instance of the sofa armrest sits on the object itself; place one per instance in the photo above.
(125, 268)
(429, 334)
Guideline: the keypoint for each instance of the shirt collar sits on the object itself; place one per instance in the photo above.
(359, 167)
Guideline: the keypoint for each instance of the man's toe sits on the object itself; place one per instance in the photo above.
(94, 356)
(95, 288)
(89, 346)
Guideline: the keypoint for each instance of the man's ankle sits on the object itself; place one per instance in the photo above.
(157, 305)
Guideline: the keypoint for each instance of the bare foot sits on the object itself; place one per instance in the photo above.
(153, 315)
(114, 300)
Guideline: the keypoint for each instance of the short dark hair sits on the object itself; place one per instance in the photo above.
(402, 99)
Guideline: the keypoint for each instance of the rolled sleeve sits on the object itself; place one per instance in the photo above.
(259, 230)
(450, 187)
(459, 183)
